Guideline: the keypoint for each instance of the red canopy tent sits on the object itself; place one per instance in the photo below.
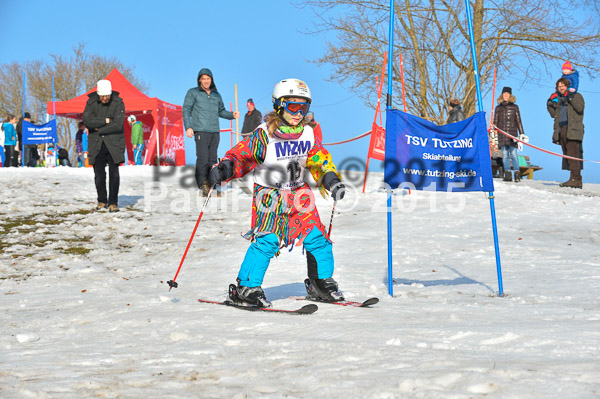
(162, 121)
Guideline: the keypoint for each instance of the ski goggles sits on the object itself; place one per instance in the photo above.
(293, 107)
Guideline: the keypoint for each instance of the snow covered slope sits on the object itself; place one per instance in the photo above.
(86, 311)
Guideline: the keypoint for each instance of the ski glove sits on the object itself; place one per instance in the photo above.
(332, 182)
(554, 97)
(220, 172)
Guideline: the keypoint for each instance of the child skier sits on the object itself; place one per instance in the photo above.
(283, 209)
(571, 75)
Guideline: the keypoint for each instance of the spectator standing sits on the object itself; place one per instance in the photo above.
(137, 138)
(455, 112)
(202, 108)
(104, 116)
(79, 144)
(30, 150)
(10, 140)
(84, 143)
(566, 107)
(2, 159)
(252, 119)
(508, 119)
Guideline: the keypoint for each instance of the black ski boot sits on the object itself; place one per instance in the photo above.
(325, 290)
(248, 296)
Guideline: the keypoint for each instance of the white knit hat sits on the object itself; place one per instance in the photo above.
(104, 88)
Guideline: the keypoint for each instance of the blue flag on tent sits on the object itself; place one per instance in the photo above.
(39, 134)
(421, 155)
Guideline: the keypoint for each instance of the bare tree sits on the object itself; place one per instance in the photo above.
(11, 88)
(73, 76)
(529, 38)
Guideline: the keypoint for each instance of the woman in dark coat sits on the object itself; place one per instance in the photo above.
(508, 119)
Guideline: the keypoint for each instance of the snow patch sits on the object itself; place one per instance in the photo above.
(500, 340)
(483, 388)
(174, 337)
(27, 337)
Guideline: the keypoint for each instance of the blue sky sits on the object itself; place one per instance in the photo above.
(252, 44)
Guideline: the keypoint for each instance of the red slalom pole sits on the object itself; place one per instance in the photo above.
(493, 143)
(172, 283)
(493, 98)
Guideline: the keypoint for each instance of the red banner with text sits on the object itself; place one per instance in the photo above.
(377, 144)
(166, 145)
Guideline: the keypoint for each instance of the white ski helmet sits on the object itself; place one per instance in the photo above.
(131, 118)
(291, 88)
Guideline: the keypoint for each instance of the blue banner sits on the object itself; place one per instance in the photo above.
(421, 155)
(39, 134)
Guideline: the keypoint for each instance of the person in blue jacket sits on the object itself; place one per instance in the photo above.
(10, 140)
(2, 160)
(202, 108)
(571, 75)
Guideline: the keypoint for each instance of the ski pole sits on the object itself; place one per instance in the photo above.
(172, 283)
(331, 220)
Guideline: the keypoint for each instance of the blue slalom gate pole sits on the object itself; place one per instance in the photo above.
(480, 108)
(23, 116)
(389, 108)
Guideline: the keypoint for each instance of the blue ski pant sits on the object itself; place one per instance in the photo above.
(258, 257)
(137, 154)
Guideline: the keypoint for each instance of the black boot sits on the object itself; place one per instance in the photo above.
(517, 176)
(248, 295)
(507, 176)
(325, 289)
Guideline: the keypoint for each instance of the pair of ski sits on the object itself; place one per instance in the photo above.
(306, 309)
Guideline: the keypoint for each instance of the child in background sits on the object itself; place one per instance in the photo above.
(571, 75)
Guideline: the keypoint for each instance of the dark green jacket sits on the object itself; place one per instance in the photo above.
(111, 134)
(575, 106)
(201, 111)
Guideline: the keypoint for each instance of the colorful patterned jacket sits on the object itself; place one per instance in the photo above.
(291, 214)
